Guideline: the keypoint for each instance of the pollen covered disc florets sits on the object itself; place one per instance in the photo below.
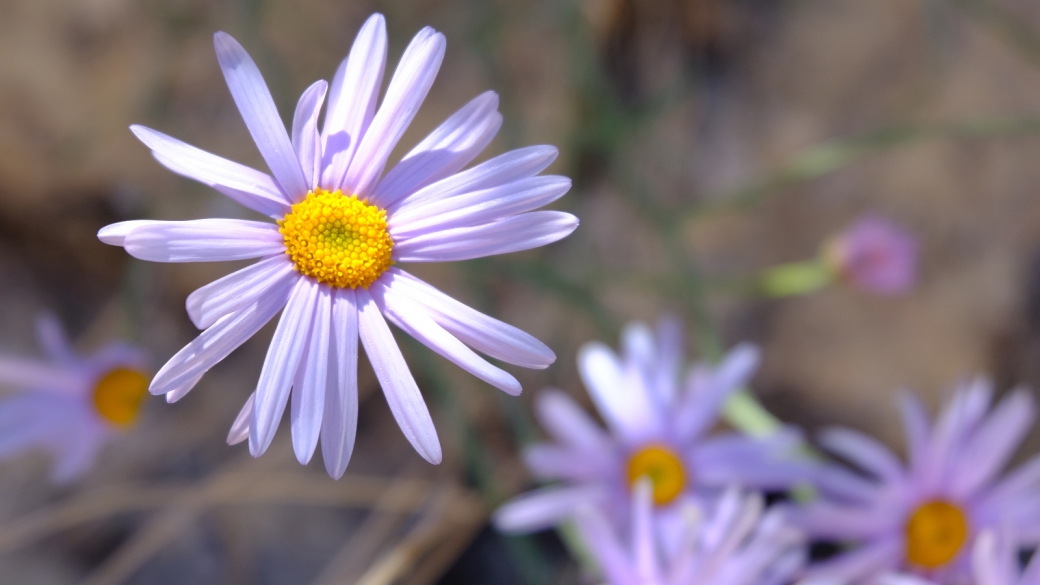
(664, 468)
(337, 239)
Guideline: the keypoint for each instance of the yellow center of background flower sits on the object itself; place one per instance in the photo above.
(664, 469)
(339, 240)
(118, 395)
(935, 534)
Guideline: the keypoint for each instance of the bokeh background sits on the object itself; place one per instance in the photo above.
(707, 139)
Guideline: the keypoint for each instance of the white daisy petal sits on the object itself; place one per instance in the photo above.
(240, 428)
(339, 424)
(352, 100)
(444, 152)
(520, 232)
(236, 290)
(309, 386)
(290, 341)
(223, 337)
(250, 187)
(479, 207)
(175, 394)
(257, 107)
(481, 332)
(306, 139)
(620, 397)
(412, 80)
(412, 318)
(505, 168)
(115, 234)
(204, 240)
(403, 396)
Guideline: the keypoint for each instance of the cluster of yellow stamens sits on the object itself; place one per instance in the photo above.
(339, 240)
(663, 467)
(935, 533)
(118, 395)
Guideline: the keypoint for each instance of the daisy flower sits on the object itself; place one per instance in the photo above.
(341, 228)
(875, 255)
(739, 545)
(69, 405)
(923, 518)
(656, 427)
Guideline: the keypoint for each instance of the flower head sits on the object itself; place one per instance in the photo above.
(69, 405)
(656, 427)
(923, 518)
(737, 546)
(875, 255)
(341, 228)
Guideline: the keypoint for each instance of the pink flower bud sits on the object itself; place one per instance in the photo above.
(875, 255)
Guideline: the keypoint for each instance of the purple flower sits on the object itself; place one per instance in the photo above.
(69, 405)
(341, 227)
(875, 255)
(737, 546)
(923, 518)
(656, 427)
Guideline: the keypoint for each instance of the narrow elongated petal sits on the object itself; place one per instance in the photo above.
(309, 386)
(445, 151)
(412, 318)
(567, 422)
(481, 332)
(115, 234)
(619, 395)
(204, 240)
(339, 425)
(916, 428)
(480, 207)
(573, 465)
(352, 100)
(643, 534)
(258, 111)
(610, 553)
(520, 232)
(864, 451)
(240, 428)
(504, 168)
(306, 139)
(545, 508)
(236, 290)
(402, 394)
(993, 444)
(412, 80)
(250, 187)
(287, 347)
(217, 342)
(31, 374)
(181, 390)
(707, 390)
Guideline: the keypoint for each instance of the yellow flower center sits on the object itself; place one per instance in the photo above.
(339, 240)
(118, 395)
(935, 534)
(663, 467)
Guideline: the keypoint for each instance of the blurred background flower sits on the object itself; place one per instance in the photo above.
(706, 139)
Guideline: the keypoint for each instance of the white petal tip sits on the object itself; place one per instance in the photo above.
(115, 234)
